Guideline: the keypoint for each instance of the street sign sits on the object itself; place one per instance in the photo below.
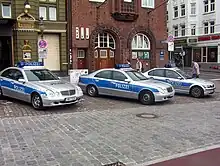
(170, 46)
(42, 43)
(42, 53)
(170, 38)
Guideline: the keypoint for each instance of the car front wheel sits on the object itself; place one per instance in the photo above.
(146, 98)
(36, 101)
(196, 92)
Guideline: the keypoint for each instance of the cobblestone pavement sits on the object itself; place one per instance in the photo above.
(100, 137)
(14, 108)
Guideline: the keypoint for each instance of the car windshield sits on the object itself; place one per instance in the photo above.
(185, 75)
(136, 76)
(40, 75)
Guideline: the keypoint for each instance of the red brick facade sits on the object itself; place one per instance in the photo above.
(99, 19)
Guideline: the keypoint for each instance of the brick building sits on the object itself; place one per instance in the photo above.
(107, 32)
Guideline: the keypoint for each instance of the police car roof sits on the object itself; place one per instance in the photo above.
(170, 68)
(33, 67)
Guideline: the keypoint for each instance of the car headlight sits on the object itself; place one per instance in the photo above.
(208, 86)
(50, 93)
(162, 90)
(78, 88)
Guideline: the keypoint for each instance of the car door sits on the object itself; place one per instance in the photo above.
(6, 82)
(119, 87)
(173, 78)
(157, 74)
(19, 87)
(102, 81)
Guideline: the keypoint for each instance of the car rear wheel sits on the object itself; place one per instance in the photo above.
(36, 101)
(196, 92)
(146, 98)
(92, 91)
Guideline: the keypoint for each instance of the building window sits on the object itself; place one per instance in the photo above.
(128, 7)
(6, 10)
(140, 47)
(175, 11)
(183, 10)
(206, 6)
(212, 54)
(104, 40)
(97, 0)
(193, 8)
(167, 16)
(52, 13)
(206, 28)
(183, 30)
(43, 12)
(176, 31)
(147, 3)
(193, 29)
(212, 27)
(212, 5)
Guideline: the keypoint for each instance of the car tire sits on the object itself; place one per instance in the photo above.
(146, 98)
(196, 92)
(92, 91)
(36, 101)
(1, 93)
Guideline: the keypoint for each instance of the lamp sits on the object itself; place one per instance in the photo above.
(41, 26)
(26, 6)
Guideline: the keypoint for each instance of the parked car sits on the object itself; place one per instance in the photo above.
(33, 83)
(123, 81)
(182, 82)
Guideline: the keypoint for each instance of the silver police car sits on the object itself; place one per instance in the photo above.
(182, 82)
(37, 85)
(125, 82)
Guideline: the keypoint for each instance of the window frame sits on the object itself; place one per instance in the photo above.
(183, 10)
(206, 6)
(176, 31)
(175, 12)
(193, 29)
(183, 30)
(145, 4)
(212, 27)
(157, 75)
(50, 7)
(206, 27)
(109, 37)
(166, 70)
(212, 6)
(43, 6)
(120, 73)
(111, 73)
(10, 13)
(136, 48)
(193, 9)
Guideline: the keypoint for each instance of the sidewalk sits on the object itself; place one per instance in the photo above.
(204, 70)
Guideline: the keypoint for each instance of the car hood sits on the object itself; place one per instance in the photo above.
(56, 85)
(153, 83)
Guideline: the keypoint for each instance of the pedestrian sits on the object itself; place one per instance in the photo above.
(139, 65)
(195, 70)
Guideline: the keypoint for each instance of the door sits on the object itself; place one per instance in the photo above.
(119, 87)
(81, 59)
(102, 81)
(52, 61)
(157, 74)
(173, 78)
(7, 82)
(104, 58)
(5, 52)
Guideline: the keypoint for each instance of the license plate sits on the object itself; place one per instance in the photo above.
(70, 99)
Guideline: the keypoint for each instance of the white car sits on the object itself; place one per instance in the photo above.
(182, 82)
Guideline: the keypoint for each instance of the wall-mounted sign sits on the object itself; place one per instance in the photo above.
(170, 46)
(211, 37)
(42, 53)
(192, 40)
(25, 21)
(26, 54)
(162, 55)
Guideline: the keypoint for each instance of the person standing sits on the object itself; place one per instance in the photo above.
(195, 70)
(139, 65)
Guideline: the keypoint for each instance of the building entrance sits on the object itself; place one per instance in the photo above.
(5, 52)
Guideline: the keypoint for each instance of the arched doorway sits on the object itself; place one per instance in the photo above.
(104, 53)
(141, 48)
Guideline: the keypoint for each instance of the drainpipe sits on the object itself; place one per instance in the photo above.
(69, 32)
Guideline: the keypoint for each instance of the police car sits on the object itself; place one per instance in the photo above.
(182, 82)
(123, 81)
(33, 83)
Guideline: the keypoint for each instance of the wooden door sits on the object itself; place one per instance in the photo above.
(81, 59)
(104, 58)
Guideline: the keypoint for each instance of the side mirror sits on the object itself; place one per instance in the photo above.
(59, 78)
(21, 80)
(127, 80)
(180, 78)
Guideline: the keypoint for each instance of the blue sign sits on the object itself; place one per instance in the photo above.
(161, 55)
(23, 63)
(119, 66)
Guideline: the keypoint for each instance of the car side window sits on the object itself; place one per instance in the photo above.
(17, 75)
(104, 74)
(8, 74)
(172, 74)
(118, 76)
(158, 73)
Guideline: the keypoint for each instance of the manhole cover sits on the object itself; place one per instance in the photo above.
(147, 116)
(115, 164)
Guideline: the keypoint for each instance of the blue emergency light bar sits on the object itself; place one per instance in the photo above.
(23, 64)
(119, 66)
